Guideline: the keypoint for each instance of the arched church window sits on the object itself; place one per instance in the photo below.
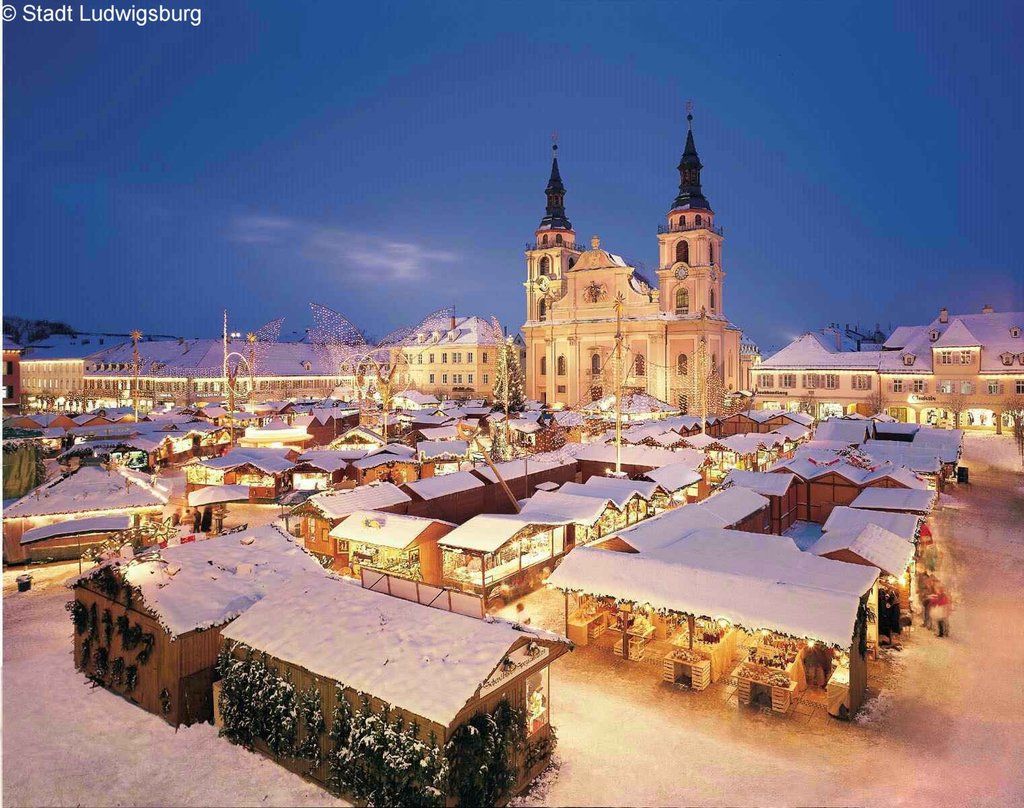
(711, 299)
(572, 263)
(542, 310)
(544, 239)
(545, 266)
(682, 300)
(711, 253)
(641, 365)
(698, 220)
(595, 363)
(714, 362)
(683, 251)
(558, 238)
(543, 366)
(682, 221)
(560, 366)
(682, 365)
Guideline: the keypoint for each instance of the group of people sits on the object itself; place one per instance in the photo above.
(935, 600)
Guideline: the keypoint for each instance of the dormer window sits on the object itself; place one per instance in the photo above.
(1006, 358)
(307, 365)
(908, 359)
(933, 334)
(1014, 332)
(421, 338)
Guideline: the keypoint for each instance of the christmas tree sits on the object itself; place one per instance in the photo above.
(508, 377)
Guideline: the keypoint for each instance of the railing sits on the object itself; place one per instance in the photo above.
(677, 228)
(537, 245)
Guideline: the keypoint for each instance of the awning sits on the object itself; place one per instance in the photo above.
(77, 527)
(214, 494)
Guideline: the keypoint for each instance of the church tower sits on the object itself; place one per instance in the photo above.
(553, 251)
(690, 272)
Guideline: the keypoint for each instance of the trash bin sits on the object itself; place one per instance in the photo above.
(963, 474)
(24, 582)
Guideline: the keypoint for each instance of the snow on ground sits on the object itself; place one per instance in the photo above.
(946, 729)
(67, 743)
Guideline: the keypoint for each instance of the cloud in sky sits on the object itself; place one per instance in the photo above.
(367, 255)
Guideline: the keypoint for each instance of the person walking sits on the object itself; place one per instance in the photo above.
(940, 612)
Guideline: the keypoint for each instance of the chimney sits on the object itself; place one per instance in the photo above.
(987, 309)
(943, 315)
(452, 326)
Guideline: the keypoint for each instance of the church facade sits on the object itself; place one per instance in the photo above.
(673, 329)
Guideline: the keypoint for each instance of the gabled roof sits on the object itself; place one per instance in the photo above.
(674, 476)
(906, 500)
(336, 504)
(392, 530)
(488, 532)
(874, 544)
(845, 519)
(768, 484)
(90, 488)
(957, 335)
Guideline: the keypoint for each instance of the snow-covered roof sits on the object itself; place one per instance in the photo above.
(733, 504)
(619, 490)
(811, 462)
(947, 443)
(336, 504)
(330, 459)
(844, 519)
(439, 449)
(528, 465)
(77, 527)
(874, 544)
(792, 432)
(840, 429)
(524, 425)
(641, 455)
(910, 500)
(433, 487)
(271, 460)
(487, 532)
(393, 530)
(206, 583)
(750, 442)
(415, 399)
(817, 351)
(666, 528)
(674, 476)
(558, 508)
(768, 484)
(992, 332)
(632, 404)
(90, 488)
(439, 432)
(427, 661)
(920, 459)
(750, 579)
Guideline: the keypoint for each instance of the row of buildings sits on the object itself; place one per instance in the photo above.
(87, 371)
(960, 370)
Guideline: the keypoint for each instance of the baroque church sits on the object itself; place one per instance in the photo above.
(578, 300)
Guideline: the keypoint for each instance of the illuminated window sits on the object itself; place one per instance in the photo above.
(537, 716)
(682, 300)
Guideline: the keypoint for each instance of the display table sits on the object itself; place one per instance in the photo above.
(838, 692)
(719, 653)
(683, 666)
(582, 628)
(752, 679)
(638, 638)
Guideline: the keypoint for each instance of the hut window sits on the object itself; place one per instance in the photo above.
(537, 701)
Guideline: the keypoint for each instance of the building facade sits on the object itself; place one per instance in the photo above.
(12, 376)
(959, 370)
(578, 300)
(457, 363)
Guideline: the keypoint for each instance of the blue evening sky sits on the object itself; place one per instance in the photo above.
(386, 159)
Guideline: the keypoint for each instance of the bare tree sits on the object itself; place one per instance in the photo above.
(956, 404)
(875, 401)
(808, 404)
(1013, 408)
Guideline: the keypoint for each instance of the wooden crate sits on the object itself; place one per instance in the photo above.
(782, 698)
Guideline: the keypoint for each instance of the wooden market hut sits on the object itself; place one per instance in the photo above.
(394, 463)
(358, 437)
(322, 469)
(896, 500)
(651, 602)
(779, 489)
(149, 628)
(501, 556)
(830, 480)
(905, 525)
(453, 497)
(327, 423)
(741, 423)
(635, 499)
(588, 518)
(599, 459)
(681, 481)
(322, 512)
(397, 544)
(90, 491)
(266, 471)
(435, 669)
(441, 456)
(523, 477)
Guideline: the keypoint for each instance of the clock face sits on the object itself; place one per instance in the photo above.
(681, 273)
(543, 283)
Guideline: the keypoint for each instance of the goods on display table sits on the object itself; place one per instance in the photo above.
(691, 668)
(718, 643)
(639, 631)
(773, 669)
(588, 623)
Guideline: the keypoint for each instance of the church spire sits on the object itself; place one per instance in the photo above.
(554, 216)
(690, 194)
